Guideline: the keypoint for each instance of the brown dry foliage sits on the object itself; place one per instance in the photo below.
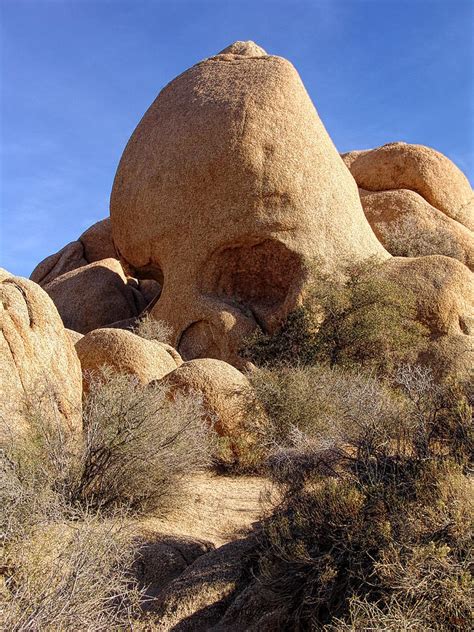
(375, 525)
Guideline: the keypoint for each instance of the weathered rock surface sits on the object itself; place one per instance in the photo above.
(227, 186)
(444, 290)
(418, 168)
(36, 356)
(199, 597)
(97, 242)
(162, 558)
(125, 352)
(74, 336)
(93, 245)
(226, 397)
(108, 294)
(95, 295)
(408, 226)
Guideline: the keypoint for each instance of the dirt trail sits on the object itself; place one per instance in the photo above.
(217, 508)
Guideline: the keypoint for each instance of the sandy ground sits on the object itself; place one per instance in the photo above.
(216, 508)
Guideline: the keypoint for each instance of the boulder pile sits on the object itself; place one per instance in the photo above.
(229, 186)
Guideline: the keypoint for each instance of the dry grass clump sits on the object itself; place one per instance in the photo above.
(374, 530)
(351, 320)
(406, 238)
(151, 329)
(66, 552)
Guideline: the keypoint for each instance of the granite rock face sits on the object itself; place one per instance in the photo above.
(125, 352)
(228, 185)
(408, 226)
(37, 357)
(95, 295)
(88, 284)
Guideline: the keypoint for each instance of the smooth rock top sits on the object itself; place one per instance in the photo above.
(244, 49)
(418, 168)
(126, 353)
(95, 295)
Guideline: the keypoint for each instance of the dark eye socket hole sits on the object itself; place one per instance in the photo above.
(150, 272)
(262, 277)
(150, 281)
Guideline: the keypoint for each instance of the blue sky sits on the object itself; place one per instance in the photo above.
(77, 75)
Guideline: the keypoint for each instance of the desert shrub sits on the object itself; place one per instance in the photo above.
(38, 466)
(405, 238)
(375, 520)
(139, 444)
(322, 403)
(151, 329)
(441, 412)
(64, 500)
(356, 319)
(70, 576)
(62, 567)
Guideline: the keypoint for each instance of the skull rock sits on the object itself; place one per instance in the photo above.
(228, 186)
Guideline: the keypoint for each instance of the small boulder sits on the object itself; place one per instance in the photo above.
(36, 356)
(162, 558)
(97, 242)
(67, 259)
(125, 352)
(227, 399)
(443, 288)
(95, 295)
(93, 245)
(200, 596)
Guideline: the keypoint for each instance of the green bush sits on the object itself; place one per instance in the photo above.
(350, 320)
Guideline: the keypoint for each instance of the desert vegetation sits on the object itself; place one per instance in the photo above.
(350, 319)
(355, 407)
(368, 519)
(370, 457)
(151, 329)
(375, 523)
(67, 545)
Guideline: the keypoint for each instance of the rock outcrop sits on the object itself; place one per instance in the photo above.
(200, 596)
(124, 352)
(37, 357)
(228, 185)
(408, 226)
(444, 291)
(93, 245)
(88, 284)
(417, 168)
